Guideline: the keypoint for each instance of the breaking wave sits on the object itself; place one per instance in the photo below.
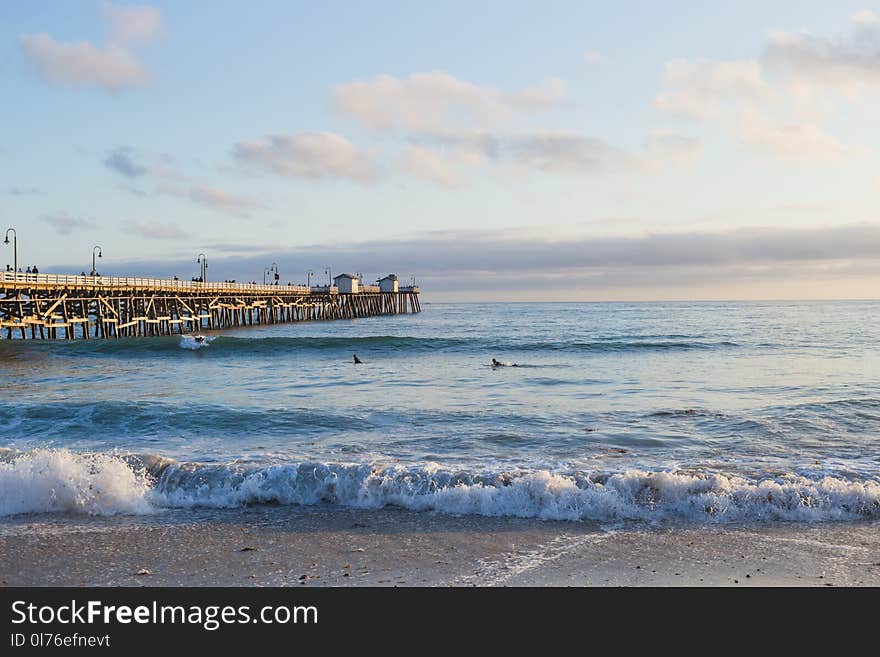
(189, 342)
(46, 481)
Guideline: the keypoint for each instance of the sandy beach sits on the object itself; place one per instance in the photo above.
(321, 546)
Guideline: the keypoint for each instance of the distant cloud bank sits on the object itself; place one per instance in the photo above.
(460, 264)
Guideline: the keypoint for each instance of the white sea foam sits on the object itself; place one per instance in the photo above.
(539, 494)
(189, 342)
(45, 481)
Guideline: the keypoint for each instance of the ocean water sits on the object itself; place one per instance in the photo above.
(693, 412)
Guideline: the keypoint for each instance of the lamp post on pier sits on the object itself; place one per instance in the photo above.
(14, 248)
(100, 253)
(272, 268)
(329, 276)
(203, 272)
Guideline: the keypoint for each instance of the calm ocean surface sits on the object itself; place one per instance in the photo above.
(702, 412)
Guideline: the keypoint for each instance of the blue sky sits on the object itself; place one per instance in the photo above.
(496, 150)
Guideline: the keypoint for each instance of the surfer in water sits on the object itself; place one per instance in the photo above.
(357, 361)
(193, 341)
(498, 363)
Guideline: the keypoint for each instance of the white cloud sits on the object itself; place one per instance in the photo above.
(113, 66)
(798, 62)
(594, 57)
(155, 230)
(701, 88)
(213, 197)
(549, 94)
(317, 155)
(865, 17)
(563, 152)
(847, 64)
(434, 102)
(667, 148)
(84, 65)
(65, 224)
(454, 123)
(554, 152)
(450, 124)
(141, 167)
(753, 100)
(428, 165)
(796, 140)
(132, 23)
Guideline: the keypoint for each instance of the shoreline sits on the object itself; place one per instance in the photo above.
(333, 546)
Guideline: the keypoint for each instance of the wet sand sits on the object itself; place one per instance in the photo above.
(321, 546)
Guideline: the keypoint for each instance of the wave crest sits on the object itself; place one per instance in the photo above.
(47, 481)
(105, 484)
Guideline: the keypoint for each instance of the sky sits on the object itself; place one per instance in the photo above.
(493, 150)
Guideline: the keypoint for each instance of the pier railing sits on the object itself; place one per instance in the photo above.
(20, 279)
(66, 280)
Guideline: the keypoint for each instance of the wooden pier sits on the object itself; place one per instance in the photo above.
(52, 307)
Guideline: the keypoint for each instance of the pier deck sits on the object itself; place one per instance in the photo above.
(51, 306)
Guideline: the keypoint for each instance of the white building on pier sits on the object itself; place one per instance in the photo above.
(346, 283)
(389, 283)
